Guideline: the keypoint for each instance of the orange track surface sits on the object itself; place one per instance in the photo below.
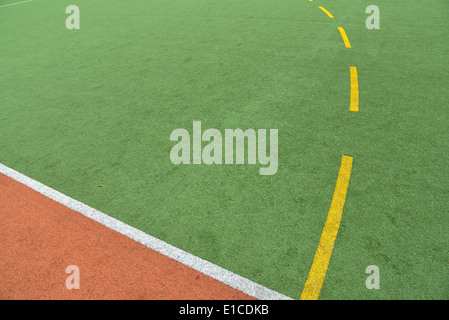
(39, 238)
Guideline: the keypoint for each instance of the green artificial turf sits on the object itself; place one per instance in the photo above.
(89, 112)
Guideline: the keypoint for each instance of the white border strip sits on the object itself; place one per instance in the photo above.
(227, 277)
(13, 4)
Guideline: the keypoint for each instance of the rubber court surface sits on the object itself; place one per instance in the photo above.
(40, 236)
(89, 113)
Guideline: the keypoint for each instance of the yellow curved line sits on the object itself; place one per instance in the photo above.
(354, 103)
(326, 12)
(345, 37)
(317, 273)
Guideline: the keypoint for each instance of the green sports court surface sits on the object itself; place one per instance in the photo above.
(89, 112)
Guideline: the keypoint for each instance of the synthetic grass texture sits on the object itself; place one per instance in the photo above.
(89, 112)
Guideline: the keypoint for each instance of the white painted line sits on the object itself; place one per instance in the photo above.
(13, 4)
(225, 276)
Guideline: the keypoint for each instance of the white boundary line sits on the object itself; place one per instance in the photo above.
(13, 4)
(225, 276)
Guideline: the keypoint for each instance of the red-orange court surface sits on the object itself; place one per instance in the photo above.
(40, 238)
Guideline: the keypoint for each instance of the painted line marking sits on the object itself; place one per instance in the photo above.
(317, 273)
(225, 276)
(354, 103)
(345, 37)
(13, 4)
(326, 12)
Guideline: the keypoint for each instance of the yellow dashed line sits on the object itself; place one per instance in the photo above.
(317, 272)
(345, 37)
(326, 12)
(354, 104)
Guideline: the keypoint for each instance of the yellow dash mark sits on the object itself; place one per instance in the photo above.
(345, 37)
(354, 103)
(326, 12)
(317, 273)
